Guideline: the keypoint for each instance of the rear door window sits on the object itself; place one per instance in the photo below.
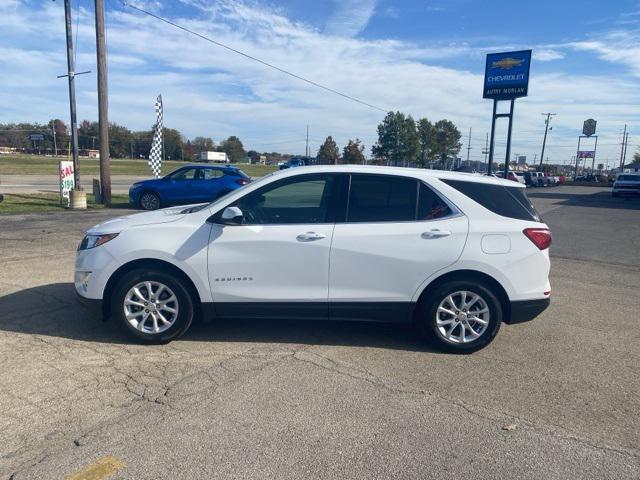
(509, 202)
(382, 198)
(210, 173)
(387, 198)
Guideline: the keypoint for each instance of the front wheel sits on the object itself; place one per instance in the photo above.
(152, 306)
(460, 316)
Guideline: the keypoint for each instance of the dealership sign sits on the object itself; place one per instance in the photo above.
(506, 75)
(589, 127)
(67, 179)
(586, 154)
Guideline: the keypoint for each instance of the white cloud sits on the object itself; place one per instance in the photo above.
(350, 17)
(622, 47)
(547, 55)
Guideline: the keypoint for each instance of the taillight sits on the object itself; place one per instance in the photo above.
(242, 181)
(541, 237)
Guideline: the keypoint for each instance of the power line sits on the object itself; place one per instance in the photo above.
(255, 59)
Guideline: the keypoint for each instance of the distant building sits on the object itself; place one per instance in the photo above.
(93, 153)
(522, 160)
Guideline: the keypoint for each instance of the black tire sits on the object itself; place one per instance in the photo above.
(179, 324)
(428, 309)
(149, 201)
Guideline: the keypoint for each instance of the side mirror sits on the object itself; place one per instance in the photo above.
(231, 216)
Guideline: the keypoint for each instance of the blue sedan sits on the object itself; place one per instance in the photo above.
(189, 184)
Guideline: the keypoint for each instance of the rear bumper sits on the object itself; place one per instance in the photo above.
(525, 310)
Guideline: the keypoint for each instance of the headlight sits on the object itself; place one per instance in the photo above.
(91, 241)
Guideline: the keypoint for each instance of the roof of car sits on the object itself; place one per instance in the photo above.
(403, 171)
(206, 165)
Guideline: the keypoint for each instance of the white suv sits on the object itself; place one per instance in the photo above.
(455, 254)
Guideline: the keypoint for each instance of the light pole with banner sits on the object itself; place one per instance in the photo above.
(506, 77)
(588, 131)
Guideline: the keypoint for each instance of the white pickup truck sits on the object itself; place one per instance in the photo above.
(626, 184)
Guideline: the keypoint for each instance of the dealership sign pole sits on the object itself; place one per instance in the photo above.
(588, 131)
(506, 77)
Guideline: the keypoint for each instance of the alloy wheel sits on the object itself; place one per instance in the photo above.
(462, 317)
(151, 307)
(150, 201)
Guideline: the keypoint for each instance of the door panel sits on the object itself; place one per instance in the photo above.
(398, 232)
(389, 261)
(280, 254)
(269, 263)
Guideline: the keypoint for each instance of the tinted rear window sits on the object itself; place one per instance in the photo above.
(629, 178)
(509, 202)
(386, 198)
(381, 198)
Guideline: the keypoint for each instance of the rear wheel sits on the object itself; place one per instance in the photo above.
(149, 201)
(460, 316)
(152, 306)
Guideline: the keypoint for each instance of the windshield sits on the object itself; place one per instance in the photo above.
(629, 178)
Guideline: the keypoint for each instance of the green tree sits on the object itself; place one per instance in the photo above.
(88, 135)
(120, 141)
(202, 144)
(447, 141)
(254, 156)
(426, 138)
(353, 152)
(397, 139)
(172, 144)
(233, 147)
(328, 152)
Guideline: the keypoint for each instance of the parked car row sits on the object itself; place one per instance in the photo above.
(533, 179)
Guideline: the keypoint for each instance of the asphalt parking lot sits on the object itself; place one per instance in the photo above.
(556, 398)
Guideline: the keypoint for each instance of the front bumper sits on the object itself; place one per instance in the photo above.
(526, 310)
(625, 191)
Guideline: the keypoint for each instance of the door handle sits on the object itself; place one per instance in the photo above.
(435, 233)
(310, 236)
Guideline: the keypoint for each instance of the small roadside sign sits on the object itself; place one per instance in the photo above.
(67, 179)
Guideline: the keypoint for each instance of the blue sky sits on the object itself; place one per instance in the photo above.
(425, 58)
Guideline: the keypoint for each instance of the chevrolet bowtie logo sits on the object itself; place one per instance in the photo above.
(507, 63)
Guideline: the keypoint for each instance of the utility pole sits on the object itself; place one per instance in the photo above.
(486, 147)
(306, 148)
(624, 136)
(469, 146)
(103, 107)
(72, 93)
(624, 157)
(544, 141)
(55, 144)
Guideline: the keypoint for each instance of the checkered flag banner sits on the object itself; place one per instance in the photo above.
(155, 156)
